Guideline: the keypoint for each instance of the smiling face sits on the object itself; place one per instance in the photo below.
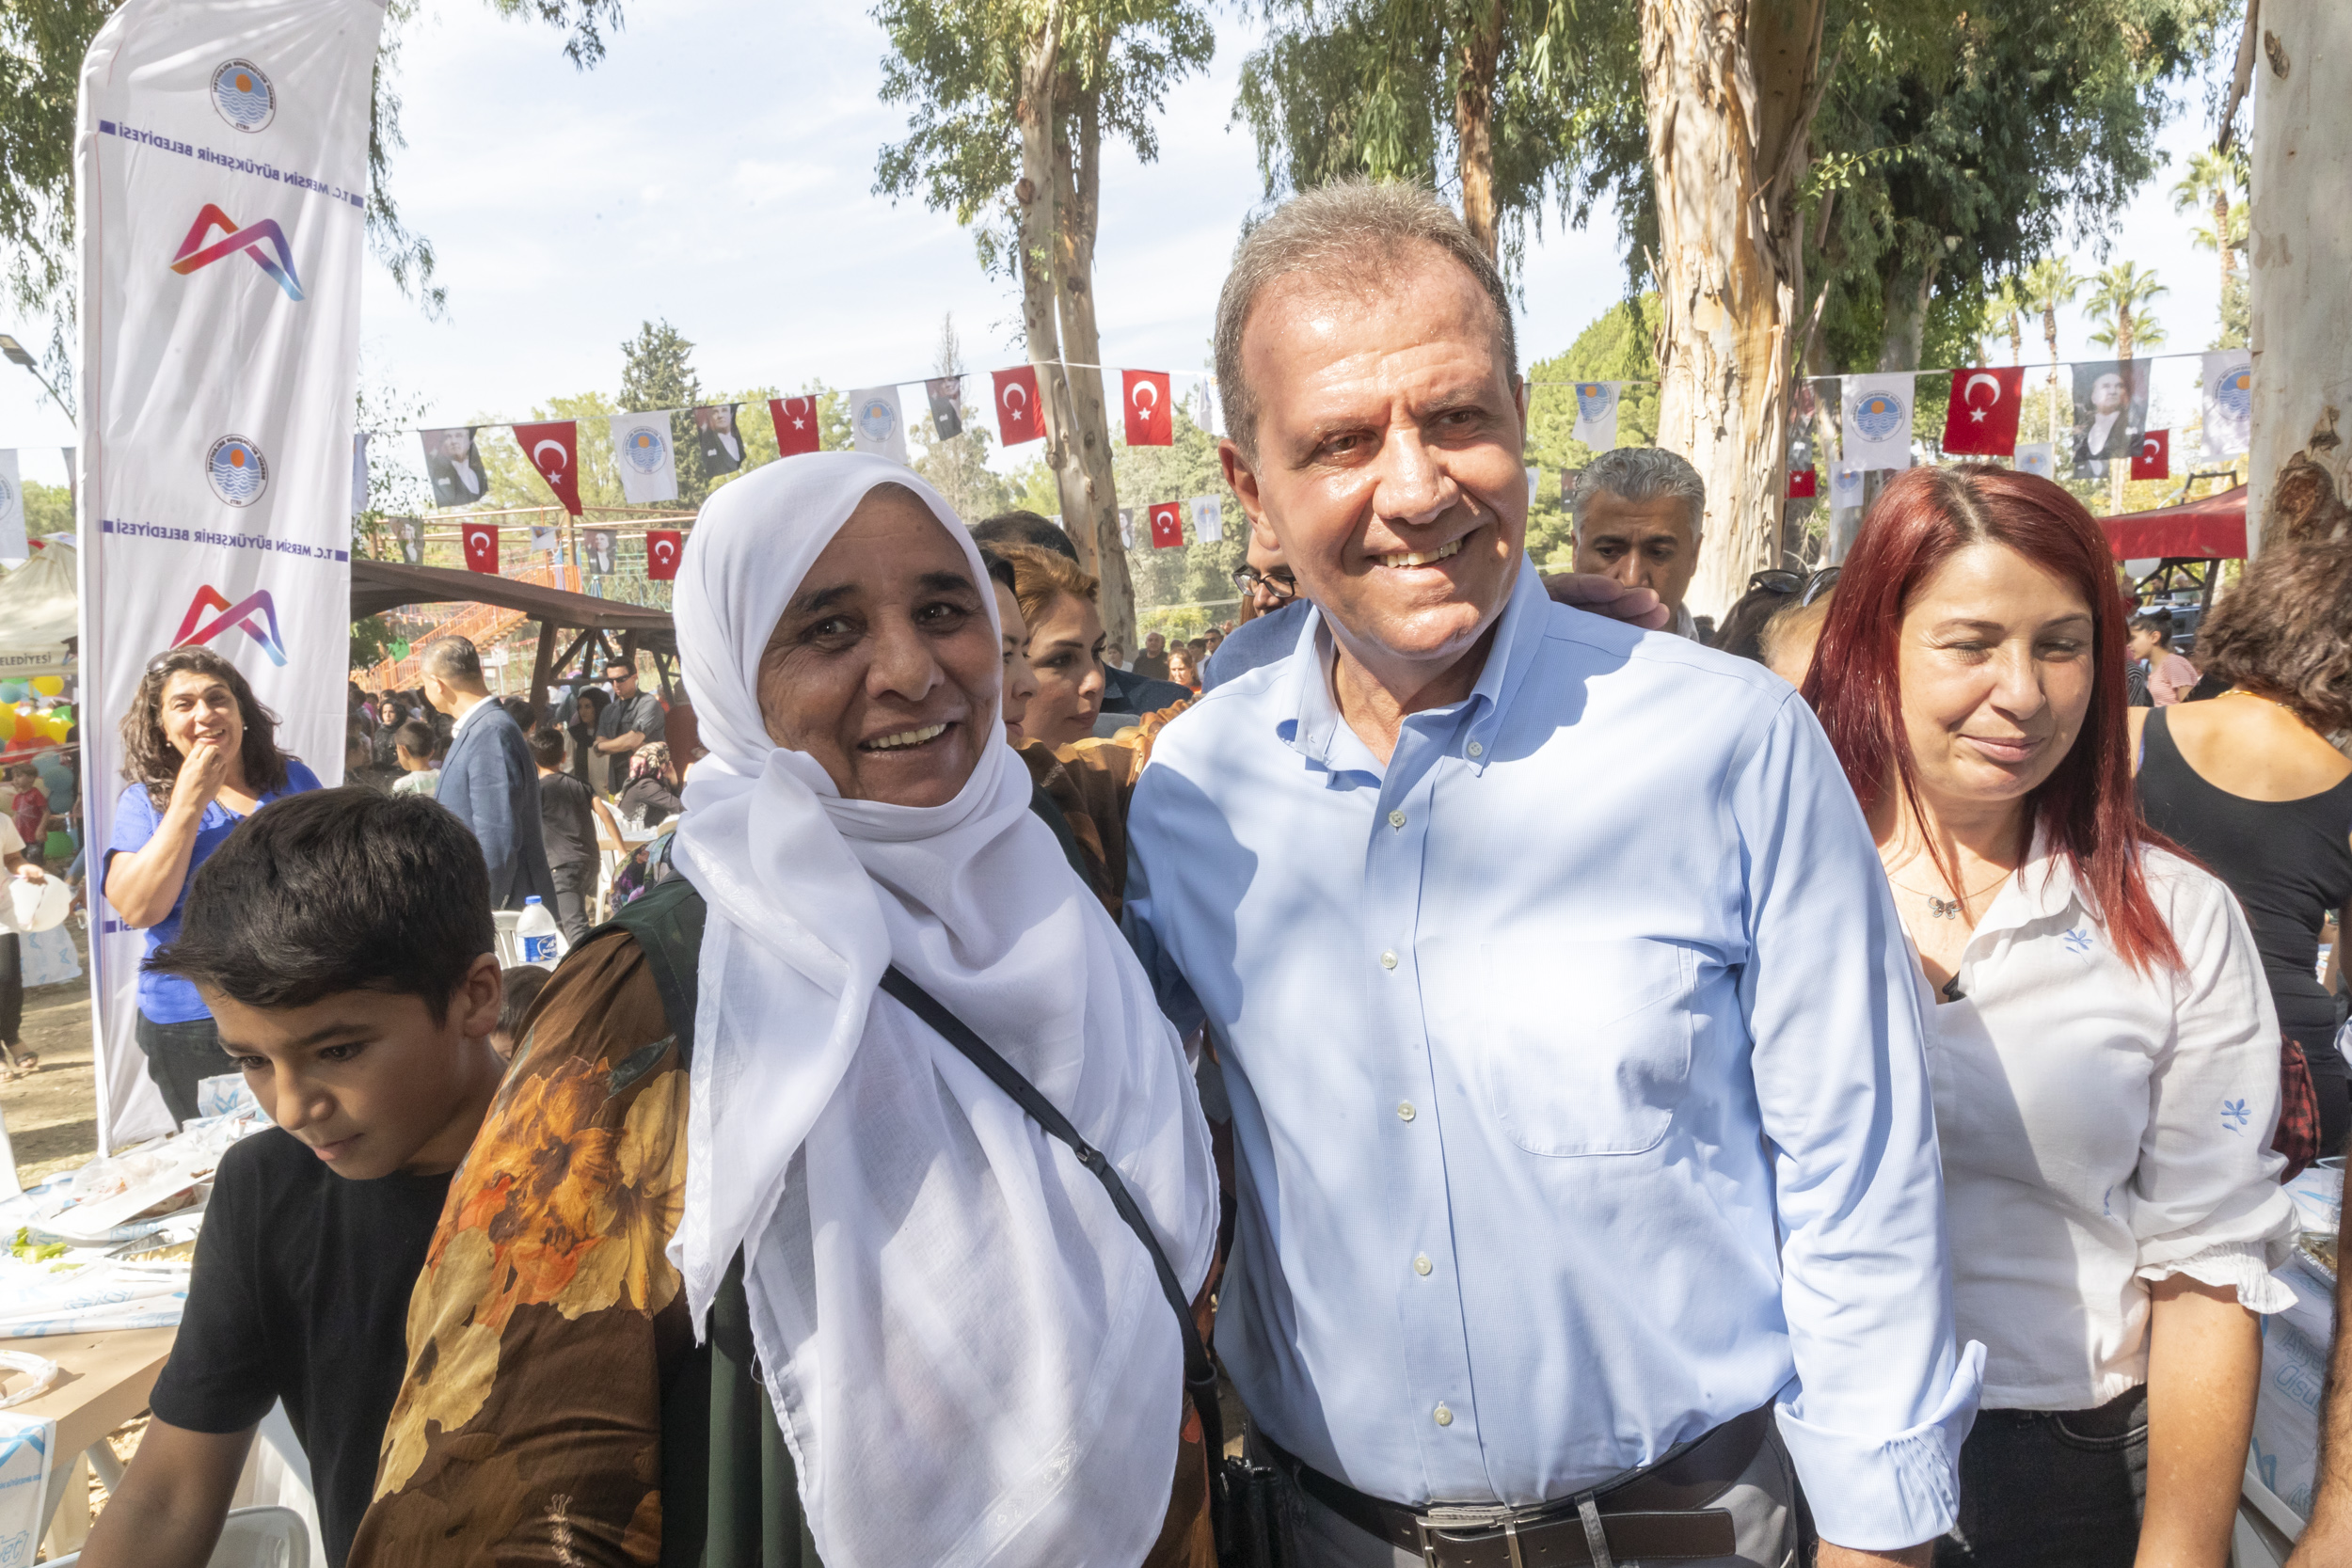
(1020, 677)
(1066, 650)
(369, 1081)
(196, 706)
(1994, 656)
(1388, 468)
(882, 668)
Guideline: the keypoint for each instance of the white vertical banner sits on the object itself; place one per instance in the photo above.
(1208, 518)
(221, 176)
(876, 423)
(2226, 399)
(1876, 427)
(643, 451)
(14, 547)
(1596, 413)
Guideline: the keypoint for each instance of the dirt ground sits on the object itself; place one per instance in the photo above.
(52, 1115)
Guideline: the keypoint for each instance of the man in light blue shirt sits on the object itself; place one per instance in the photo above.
(1578, 1095)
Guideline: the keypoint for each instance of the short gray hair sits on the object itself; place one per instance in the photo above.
(1640, 474)
(1353, 233)
(452, 658)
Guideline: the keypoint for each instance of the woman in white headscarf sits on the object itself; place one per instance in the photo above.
(966, 1354)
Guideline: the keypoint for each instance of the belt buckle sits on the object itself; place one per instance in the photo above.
(1506, 1524)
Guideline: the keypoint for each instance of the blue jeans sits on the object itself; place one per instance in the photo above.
(2052, 1488)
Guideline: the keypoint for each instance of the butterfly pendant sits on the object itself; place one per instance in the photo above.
(1943, 908)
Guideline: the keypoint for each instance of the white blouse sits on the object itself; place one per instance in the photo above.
(2101, 1129)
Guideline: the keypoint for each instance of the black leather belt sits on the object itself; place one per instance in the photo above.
(1653, 1514)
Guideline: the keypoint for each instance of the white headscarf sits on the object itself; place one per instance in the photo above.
(970, 1354)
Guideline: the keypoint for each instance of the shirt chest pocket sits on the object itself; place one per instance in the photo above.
(1587, 1044)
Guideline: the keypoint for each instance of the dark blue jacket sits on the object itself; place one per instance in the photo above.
(489, 783)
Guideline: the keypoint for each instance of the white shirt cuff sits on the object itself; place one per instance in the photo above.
(1883, 1494)
(2243, 1266)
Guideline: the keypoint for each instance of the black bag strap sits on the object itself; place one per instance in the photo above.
(1200, 1372)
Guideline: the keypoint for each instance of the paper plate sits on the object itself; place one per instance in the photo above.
(34, 906)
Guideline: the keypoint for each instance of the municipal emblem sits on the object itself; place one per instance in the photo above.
(8, 496)
(877, 419)
(1879, 416)
(237, 470)
(1593, 399)
(644, 449)
(244, 95)
(2236, 392)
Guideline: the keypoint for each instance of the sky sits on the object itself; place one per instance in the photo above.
(717, 171)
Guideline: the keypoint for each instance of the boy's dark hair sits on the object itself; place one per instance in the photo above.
(1000, 570)
(548, 746)
(524, 982)
(416, 737)
(1022, 528)
(332, 891)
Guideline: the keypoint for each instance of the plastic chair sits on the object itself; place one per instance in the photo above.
(510, 946)
(613, 851)
(252, 1538)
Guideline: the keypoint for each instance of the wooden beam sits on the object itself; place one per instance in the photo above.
(539, 665)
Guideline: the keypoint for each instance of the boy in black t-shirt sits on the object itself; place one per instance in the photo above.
(343, 942)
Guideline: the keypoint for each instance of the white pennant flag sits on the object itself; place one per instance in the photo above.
(14, 547)
(1534, 483)
(1596, 413)
(2228, 396)
(1126, 528)
(2037, 458)
(1208, 520)
(1877, 421)
(877, 423)
(358, 473)
(643, 451)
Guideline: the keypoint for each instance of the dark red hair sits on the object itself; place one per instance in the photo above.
(2087, 806)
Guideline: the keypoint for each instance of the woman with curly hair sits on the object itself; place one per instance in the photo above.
(201, 756)
(2250, 784)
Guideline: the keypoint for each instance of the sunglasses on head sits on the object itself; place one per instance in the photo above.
(1807, 587)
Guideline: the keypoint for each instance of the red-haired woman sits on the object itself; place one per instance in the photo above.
(2105, 1053)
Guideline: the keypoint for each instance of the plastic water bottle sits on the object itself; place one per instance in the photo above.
(543, 944)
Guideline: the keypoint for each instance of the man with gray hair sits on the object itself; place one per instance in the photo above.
(1638, 513)
(489, 781)
(1582, 1123)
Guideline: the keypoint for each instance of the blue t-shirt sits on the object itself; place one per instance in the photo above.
(170, 998)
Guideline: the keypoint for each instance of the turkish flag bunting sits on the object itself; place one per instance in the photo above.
(663, 546)
(554, 450)
(1018, 416)
(481, 547)
(1982, 419)
(2154, 460)
(1148, 424)
(1168, 526)
(796, 424)
(1803, 485)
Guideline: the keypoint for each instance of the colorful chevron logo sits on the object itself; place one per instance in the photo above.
(251, 612)
(194, 253)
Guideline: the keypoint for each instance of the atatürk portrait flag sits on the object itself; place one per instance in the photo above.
(1148, 421)
(717, 440)
(796, 425)
(1982, 418)
(945, 392)
(1018, 416)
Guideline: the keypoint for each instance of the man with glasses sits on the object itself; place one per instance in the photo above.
(630, 720)
(1269, 600)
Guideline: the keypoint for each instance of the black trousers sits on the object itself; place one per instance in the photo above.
(574, 884)
(2331, 1080)
(11, 988)
(2052, 1488)
(179, 1057)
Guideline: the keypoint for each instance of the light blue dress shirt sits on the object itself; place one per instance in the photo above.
(1577, 1083)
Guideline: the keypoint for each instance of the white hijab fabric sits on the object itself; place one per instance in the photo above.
(969, 1353)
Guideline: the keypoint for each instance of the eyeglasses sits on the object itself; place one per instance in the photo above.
(1280, 582)
(1806, 588)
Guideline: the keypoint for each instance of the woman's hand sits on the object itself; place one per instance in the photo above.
(32, 874)
(2204, 1360)
(202, 771)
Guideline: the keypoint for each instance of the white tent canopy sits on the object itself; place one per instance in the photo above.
(40, 608)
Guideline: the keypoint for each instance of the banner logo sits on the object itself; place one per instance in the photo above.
(256, 613)
(2236, 392)
(877, 419)
(238, 471)
(194, 253)
(1879, 416)
(244, 95)
(644, 449)
(1594, 399)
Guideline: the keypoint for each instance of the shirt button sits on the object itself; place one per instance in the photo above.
(1404, 1110)
(1445, 1417)
(1387, 959)
(1396, 819)
(1421, 1264)
(1476, 750)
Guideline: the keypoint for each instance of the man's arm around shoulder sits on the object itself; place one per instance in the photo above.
(173, 1499)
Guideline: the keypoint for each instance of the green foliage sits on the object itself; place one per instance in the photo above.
(371, 642)
(1620, 346)
(1198, 574)
(47, 508)
(657, 372)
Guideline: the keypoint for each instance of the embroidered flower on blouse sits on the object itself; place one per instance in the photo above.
(2077, 941)
(2235, 1115)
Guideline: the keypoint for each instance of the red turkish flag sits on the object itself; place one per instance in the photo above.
(481, 547)
(1803, 485)
(663, 546)
(1018, 416)
(554, 450)
(1982, 418)
(1148, 421)
(1168, 526)
(2154, 460)
(796, 425)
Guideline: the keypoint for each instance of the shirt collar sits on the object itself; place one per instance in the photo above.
(466, 718)
(2043, 888)
(1309, 719)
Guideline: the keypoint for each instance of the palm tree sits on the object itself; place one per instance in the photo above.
(2119, 303)
(2006, 310)
(2212, 180)
(2048, 284)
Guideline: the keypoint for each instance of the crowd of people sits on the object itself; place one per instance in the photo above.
(1823, 1097)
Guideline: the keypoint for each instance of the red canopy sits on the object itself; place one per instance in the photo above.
(2212, 528)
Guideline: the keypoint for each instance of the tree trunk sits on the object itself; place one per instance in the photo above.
(2049, 332)
(1904, 336)
(2221, 244)
(1037, 115)
(1730, 90)
(2299, 249)
(1474, 124)
(2016, 339)
(1077, 195)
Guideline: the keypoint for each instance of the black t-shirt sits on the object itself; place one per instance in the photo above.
(567, 820)
(300, 1292)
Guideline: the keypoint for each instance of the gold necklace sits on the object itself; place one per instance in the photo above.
(1944, 909)
(2242, 692)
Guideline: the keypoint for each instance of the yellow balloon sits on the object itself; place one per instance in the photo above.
(58, 728)
(49, 686)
